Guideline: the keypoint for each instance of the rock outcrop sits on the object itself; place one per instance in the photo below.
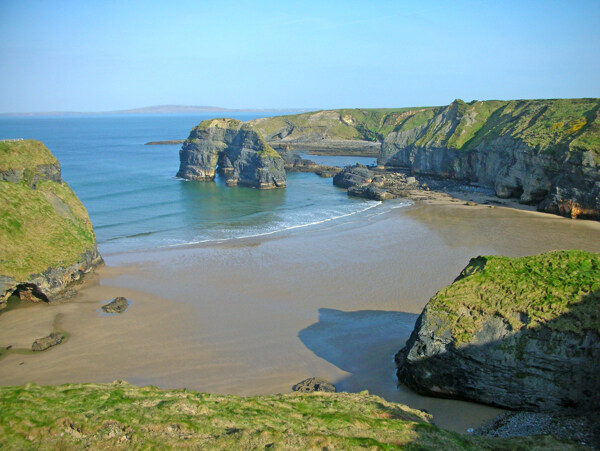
(313, 384)
(544, 152)
(46, 238)
(236, 149)
(41, 344)
(117, 305)
(520, 333)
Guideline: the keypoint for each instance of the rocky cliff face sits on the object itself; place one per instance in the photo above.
(46, 237)
(544, 152)
(519, 333)
(236, 149)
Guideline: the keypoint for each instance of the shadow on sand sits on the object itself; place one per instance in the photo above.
(362, 343)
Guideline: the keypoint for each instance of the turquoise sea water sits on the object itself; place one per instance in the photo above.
(136, 202)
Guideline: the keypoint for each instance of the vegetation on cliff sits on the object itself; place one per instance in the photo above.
(122, 416)
(560, 289)
(26, 154)
(345, 124)
(41, 226)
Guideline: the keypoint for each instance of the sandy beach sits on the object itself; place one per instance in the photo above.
(257, 315)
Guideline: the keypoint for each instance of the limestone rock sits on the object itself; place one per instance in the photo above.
(518, 333)
(313, 384)
(41, 344)
(353, 176)
(519, 148)
(117, 305)
(240, 153)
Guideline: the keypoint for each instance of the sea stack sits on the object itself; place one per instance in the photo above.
(46, 237)
(235, 149)
(520, 333)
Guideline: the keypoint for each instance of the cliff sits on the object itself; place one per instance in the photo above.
(520, 333)
(122, 416)
(240, 153)
(544, 152)
(343, 132)
(46, 238)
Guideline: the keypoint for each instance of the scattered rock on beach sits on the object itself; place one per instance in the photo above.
(313, 384)
(41, 344)
(117, 305)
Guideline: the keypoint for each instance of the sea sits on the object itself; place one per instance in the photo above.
(136, 203)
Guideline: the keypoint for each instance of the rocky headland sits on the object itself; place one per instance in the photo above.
(542, 152)
(240, 153)
(47, 241)
(520, 333)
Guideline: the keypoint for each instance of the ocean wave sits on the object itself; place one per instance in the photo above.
(278, 230)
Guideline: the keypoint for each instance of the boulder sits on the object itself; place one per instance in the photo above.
(41, 344)
(353, 176)
(519, 333)
(313, 384)
(117, 305)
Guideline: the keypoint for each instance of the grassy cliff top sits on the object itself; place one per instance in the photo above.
(224, 122)
(543, 124)
(122, 416)
(352, 124)
(41, 228)
(26, 154)
(558, 289)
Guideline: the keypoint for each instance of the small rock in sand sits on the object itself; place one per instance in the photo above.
(117, 305)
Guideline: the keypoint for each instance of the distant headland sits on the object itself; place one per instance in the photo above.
(166, 109)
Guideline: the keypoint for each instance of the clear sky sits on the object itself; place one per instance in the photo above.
(108, 55)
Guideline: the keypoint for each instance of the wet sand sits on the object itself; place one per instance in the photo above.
(257, 315)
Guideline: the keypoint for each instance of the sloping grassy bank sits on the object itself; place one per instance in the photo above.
(122, 416)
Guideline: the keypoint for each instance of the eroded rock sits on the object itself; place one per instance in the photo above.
(313, 384)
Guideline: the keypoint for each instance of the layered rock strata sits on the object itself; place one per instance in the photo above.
(543, 152)
(47, 240)
(236, 149)
(520, 333)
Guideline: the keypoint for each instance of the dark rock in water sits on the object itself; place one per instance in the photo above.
(313, 384)
(520, 333)
(117, 305)
(353, 176)
(41, 344)
(241, 153)
(370, 191)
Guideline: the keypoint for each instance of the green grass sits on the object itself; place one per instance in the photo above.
(26, 154)
(349, 124)
(41, 228)
(559, 289)
(548, 125)
(122, 416)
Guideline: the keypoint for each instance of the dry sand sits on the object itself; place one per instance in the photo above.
(258, 315)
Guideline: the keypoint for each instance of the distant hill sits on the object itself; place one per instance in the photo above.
(167, 109)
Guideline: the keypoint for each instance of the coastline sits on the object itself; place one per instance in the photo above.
(334, 301)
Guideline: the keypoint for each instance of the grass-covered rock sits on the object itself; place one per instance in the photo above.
(514, 332)
(46, 237)
(122, 416)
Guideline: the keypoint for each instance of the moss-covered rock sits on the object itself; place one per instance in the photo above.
(122, 416)
(514, 332)
(240, 153)
(46, 238)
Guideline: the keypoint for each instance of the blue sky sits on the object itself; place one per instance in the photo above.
(99, 56)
